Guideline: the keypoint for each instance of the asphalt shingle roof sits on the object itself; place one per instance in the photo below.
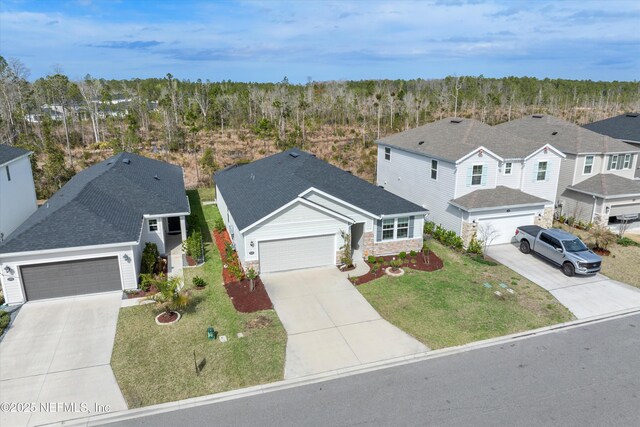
(103, 204)
(496, 198)
(253, 191)
(608, 185)
(565, 136)
(453, 138)
(625, 127)
(8, 153)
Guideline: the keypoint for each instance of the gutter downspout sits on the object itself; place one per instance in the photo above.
(593, 211)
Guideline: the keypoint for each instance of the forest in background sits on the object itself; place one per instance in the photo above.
(204, 126)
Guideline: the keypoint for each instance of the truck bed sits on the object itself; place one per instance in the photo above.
(532, 230)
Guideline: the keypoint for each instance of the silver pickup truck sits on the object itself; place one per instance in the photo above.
(559, 247)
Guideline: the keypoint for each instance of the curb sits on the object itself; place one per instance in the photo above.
(100, 419)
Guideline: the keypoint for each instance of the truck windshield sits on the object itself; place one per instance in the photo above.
(574, 245)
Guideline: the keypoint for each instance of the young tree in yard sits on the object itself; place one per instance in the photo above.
(207, 161)
(487, 233)
(170, 295)
(251, 275)
(623, 226)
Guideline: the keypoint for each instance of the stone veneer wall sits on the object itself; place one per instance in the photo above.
(367, 244)
(397, 246)
(468, 228)
(546, 220)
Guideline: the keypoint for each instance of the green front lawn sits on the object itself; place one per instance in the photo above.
(451, 306)
(155, 364)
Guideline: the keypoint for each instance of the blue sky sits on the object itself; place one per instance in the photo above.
(324, 40)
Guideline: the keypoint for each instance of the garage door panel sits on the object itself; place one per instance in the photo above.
(505, 227)
(62, 279)
(628, 209)
(291, 254)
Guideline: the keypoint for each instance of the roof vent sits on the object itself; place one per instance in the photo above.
(554, 132)
(632, 114)
(456, 120)
(156, 178)
(294, 155)
(421, 142)
(126, 161)
(110, 162)
(537, 116)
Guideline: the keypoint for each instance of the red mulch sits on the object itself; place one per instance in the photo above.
(601, 252)
(246, 301)
(220, 239)
(190, 261)
(432, 263)
(140, 293)
(167, 318)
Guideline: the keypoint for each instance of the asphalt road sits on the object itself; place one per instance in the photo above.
(587, 376)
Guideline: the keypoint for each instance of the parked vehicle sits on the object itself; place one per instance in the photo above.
(559, 247)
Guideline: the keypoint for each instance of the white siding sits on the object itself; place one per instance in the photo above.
(13, 290)
(486, 161)
(408, 175)
(543, 189)
(17, 197)
(237, 237)
(625, 173)
(577, 205)
(341, 208)
(514, 179)
(157, 236)
(298, 220)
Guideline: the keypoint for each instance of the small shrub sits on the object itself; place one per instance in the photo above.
(414, 260)
(199, 282)
(475, 245)
(5, 318)
(570, 221)
(402, 255)
(146, 280)
(375, 268)
(251, 275)
(1, 298)
(229, 252)
(413, 253)
(236, 270)
(193, 245)
(429, 227)
(395, 264)
(380, 260)
(602, 236)
(371, 259)
(218, 225)
(625, 241)
(150, 255)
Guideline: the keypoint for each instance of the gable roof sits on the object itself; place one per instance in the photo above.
(565, 136)
(453, 138)
(498, 197)
(255, 190)
(9, 153)
(608, 185)
(103, 204)
(625, 127)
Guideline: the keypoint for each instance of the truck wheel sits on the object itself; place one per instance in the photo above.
(568, 269)
(524, 247)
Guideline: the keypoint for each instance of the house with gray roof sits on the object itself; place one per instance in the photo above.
(89, 236)
(625, 127)
(473, 178)
(596, 182)
(17, 192)
(291, 210)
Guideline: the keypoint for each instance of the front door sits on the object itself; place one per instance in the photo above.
(174, 225)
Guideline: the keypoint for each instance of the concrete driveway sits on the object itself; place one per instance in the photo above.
(330, 325)
(58, 352)
(584, 296)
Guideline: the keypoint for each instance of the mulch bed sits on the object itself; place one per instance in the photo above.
(246, 301)
(221, 238)
(601, 252)
(167, 318)
(140, 293)
(423, 263)
(190, 261)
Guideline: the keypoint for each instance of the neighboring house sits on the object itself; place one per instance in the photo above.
(473, 178)
(17, 192)
(89, 236)
(597, 177)
(625, 127)
(289, 210)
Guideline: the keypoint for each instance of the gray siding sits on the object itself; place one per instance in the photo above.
(577, 205)
(567, 170)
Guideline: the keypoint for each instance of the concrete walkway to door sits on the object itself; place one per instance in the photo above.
(59, 351)
(330, 325)
(584, 296)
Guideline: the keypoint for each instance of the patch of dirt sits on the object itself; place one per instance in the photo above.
(246, 301)
(258, 323)
(168, 317)
(429, 262)
(601, 252)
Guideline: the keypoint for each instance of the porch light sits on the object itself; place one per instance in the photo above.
(251, 243)
(8, 270)
(607, 209)
(211, 333)
(126, 257)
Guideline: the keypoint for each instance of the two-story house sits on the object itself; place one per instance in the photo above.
(473, 178)
(597, 176)
(17, 192)
(625, 127)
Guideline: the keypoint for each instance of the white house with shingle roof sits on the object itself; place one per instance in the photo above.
(473, 178)
(597, 176)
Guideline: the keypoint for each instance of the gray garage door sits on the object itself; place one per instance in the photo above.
(633, 208)
(291, 254)
(63, 279)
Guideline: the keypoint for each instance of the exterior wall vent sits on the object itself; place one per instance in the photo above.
(126, 161)
(456, 120)
(537, 116)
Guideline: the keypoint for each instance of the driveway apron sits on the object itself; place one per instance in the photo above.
(330, 325)
(584, 296)
(58, 353)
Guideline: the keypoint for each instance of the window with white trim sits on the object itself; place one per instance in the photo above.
(388, 226)
(625, 165)
(387, 153)
(507, 168)
(542, 171)
(402, 228)
(476, 175)
(588, 165)
(153, 225)
(613, 162)
(434, 169)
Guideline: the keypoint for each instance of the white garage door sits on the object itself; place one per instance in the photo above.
(630, 209)
(291, 254)
(501, 229)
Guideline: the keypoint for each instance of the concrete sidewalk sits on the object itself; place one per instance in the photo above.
(584, 296)
(330, 324)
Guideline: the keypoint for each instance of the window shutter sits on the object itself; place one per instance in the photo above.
(411, 223)
(547, 175)
(485, 170)
(379, 230)
(534, 176)
(469, 175)
(610, 163)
